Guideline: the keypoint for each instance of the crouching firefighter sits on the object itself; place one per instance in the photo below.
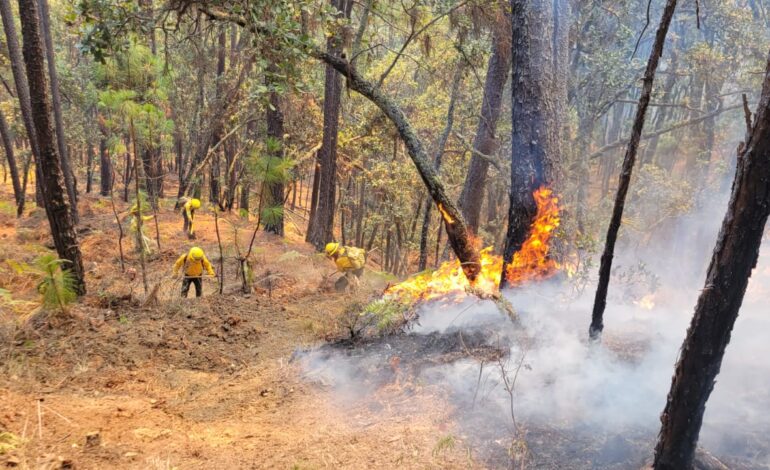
(350, 262)
(188, 214)
(193, 263)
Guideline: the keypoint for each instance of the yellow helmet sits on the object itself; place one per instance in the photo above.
(196, 253)
(195, 203)
(331, 248)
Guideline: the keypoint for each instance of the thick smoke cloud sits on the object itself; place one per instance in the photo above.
(606, 398)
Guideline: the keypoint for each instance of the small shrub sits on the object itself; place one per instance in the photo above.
(57, 285)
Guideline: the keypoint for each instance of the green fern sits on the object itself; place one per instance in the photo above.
(57, 286)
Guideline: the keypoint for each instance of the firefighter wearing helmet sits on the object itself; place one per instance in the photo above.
(350, 261)
(188, 214)
(192, 265)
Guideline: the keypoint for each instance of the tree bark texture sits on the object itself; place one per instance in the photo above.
(498, 69)
(18, 191)
(105, 169)
(605, 267)
(322, 229)
(22, 89)
(56, 206)
(89, 166)
(734, 257)
(61, 140)
(536, 105)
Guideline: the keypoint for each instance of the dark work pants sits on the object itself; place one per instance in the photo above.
(196, 281)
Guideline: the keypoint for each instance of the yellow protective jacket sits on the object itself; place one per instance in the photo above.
(350, 258)
(193, 268)
(189, 211)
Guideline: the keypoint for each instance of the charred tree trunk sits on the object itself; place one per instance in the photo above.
(56, 207)
(215, 170)
(734, 257)
(22, 91)
(105, 169)
(498, 69)
(440, 147)
(322, 227)
(66, 165)
(605, 268)
(536, 103)
(275, 192)
(18, 191)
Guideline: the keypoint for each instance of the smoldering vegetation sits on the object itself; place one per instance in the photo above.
(538, 394)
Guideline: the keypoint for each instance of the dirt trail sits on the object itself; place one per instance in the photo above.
(194, 383)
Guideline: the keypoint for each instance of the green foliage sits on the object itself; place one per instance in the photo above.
(57, 286)
(8, 442)
(7, 208)
(272, 215)
(387, 312)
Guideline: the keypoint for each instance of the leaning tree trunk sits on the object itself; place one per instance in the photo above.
(605, 267)
(274, 194)
(536, 128)
(322, 227)
(484, 143)
(457, 231)
(22, 90)
(56, 207)
(734, 257)
(69, 176)
(18, 191)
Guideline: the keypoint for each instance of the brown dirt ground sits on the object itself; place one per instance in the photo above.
(192, 383)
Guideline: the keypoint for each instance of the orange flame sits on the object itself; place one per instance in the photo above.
(531, 262)
(448, 218)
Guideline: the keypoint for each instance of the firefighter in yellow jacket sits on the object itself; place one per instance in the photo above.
(193, 263)
(188, 213)
(349, 260)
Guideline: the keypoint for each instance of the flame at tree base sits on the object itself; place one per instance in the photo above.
(531, 262)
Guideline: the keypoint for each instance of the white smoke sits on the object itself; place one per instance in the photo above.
(613, 393)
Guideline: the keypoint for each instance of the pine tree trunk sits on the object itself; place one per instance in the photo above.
(89, 166)
(61, 138)
(18, 191)
(732, 262)
(536, 108)
(605, 267)
(22, 90)
(498, 70)
(322, 228)
(274, 195)
(56, 207)
(105, 169)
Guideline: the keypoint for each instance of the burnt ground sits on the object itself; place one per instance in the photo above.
(262, 381)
